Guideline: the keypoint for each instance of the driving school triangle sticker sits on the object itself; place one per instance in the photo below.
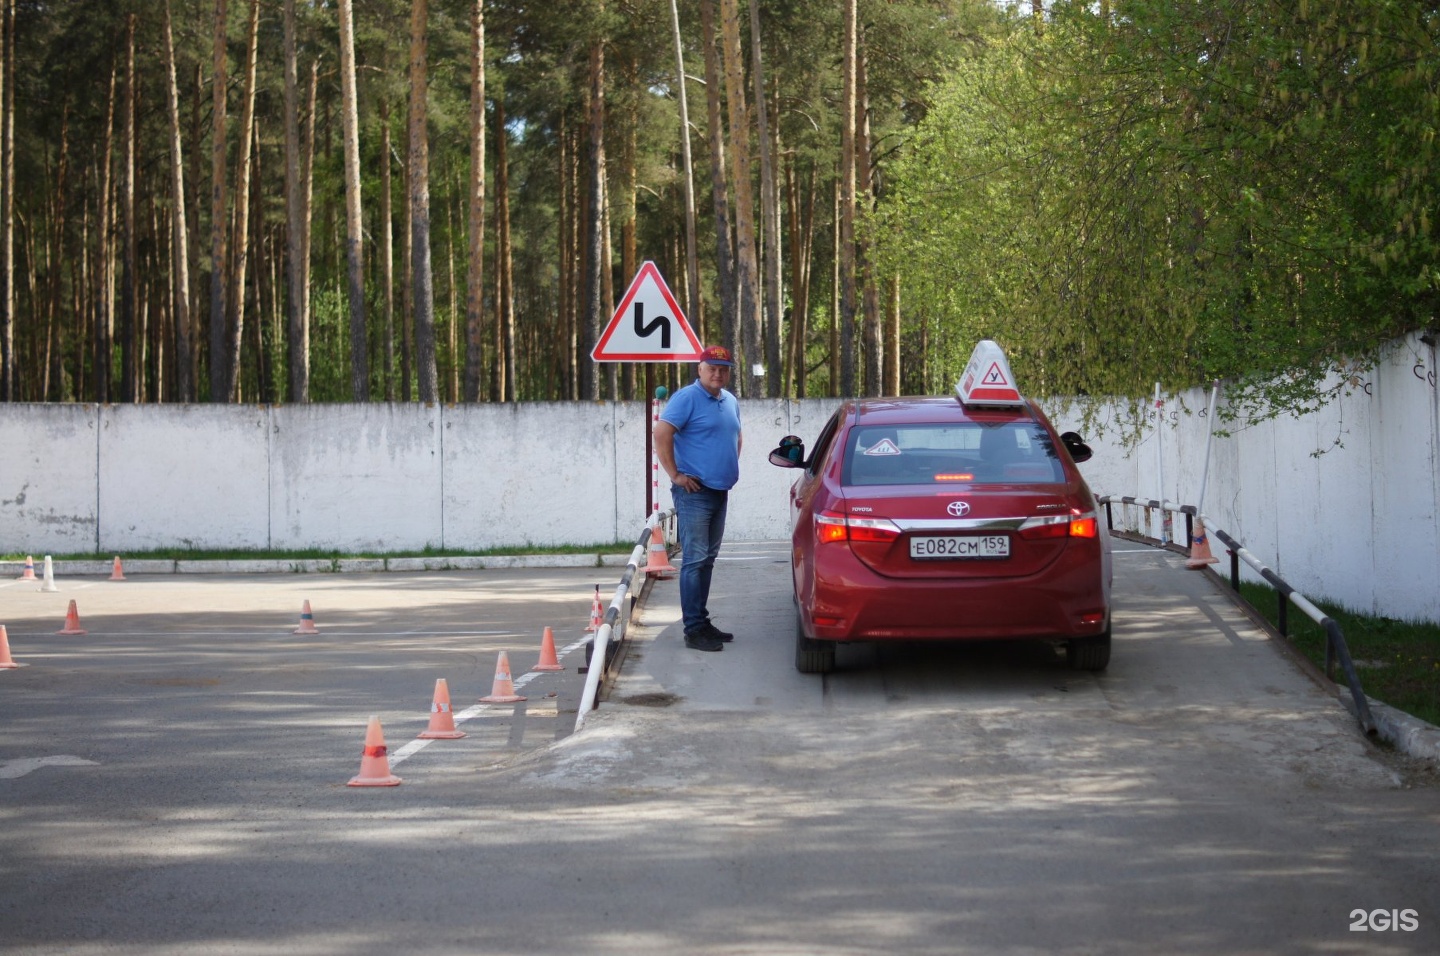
(648, 325)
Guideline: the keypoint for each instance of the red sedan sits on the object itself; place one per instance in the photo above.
(947, 519)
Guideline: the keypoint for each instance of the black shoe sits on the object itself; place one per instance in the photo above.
(723, 636)
(701, 640)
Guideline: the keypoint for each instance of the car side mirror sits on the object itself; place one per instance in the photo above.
(1076, 446)
(789, 454)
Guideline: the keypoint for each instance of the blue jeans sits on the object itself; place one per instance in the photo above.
(700, 524)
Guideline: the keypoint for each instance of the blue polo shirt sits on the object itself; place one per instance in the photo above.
(707, 435)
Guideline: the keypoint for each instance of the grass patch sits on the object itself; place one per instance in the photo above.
(190, 554)
(1398, 662)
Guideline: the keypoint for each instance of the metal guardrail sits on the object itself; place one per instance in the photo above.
(1335, 646)
(614, 621)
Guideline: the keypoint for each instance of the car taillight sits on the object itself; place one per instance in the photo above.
(1073, 525)
(831, 527)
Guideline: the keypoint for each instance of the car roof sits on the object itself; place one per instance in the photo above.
(931, 410)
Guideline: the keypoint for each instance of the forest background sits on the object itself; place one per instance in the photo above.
(364, 200)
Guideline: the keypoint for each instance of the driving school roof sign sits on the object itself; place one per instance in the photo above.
(648, 325)
(988, 379)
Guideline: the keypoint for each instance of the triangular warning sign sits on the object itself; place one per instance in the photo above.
(883, 447)
(995, 375)
(648, 325)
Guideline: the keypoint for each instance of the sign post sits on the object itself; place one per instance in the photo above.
(648, 327)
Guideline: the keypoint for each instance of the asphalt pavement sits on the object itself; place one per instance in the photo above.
(181, 788)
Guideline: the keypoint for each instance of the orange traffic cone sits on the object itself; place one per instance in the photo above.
(1200, 554)
(307, 621)
(375, 760)
(659, 559)
(502, 691)
(116, 574)
(597, 613)
(29, 574)
(72, 620)
(548, 660)
(6, 661)
(442, 721)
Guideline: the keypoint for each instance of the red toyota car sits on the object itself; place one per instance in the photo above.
(958, 518)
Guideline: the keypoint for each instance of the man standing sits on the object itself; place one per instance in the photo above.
(698, 443)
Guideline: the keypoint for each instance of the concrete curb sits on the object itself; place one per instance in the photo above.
(1408, 734)
(14, 569)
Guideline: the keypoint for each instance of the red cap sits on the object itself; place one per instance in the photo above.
(717, 355)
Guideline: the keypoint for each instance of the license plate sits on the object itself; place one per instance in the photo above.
(953, 546)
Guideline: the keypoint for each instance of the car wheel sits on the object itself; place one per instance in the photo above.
(812, 656)
(1088, 653)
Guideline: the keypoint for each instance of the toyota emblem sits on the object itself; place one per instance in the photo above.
(958, 508)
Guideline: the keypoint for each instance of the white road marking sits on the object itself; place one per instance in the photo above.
(11, 769)
(415, 746)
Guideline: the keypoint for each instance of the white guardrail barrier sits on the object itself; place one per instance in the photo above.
(615, 622)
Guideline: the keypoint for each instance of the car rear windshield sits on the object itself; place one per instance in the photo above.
(938, 454)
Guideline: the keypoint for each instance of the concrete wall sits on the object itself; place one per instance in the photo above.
(1343, 503)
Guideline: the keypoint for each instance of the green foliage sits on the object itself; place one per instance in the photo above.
(1226, 189)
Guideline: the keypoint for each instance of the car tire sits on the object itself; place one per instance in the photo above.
(1088, 653)
(812, 656)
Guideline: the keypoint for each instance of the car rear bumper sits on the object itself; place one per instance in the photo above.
(849, 602)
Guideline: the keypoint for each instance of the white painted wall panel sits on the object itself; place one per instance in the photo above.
(191, 476)
(48, 476)
(1401, 486)
(355, 477)
(530, 474)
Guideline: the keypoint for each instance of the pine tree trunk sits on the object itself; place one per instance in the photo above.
(423, 283)
(9, 388)
(505, 302)
(837, 294)
(748, 302)
(870, 291)
(770, 211)
(192, 252)
(892, 339)
(802, 231)
(566, 335)
(475, 260)
(354, 226)
(129, 278)
(693, 300)
(180, 241)
(218, 234)
(452, 367)
(80, 300)
(257, 280)
(594, 243)
(724, 241)
(846, 257)
(387, 250)
(307, 186)
(407, 284)
(294, 228)
(104, 358)
(607, 283)
(244, 175)
(55, 350)
(7, 311)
